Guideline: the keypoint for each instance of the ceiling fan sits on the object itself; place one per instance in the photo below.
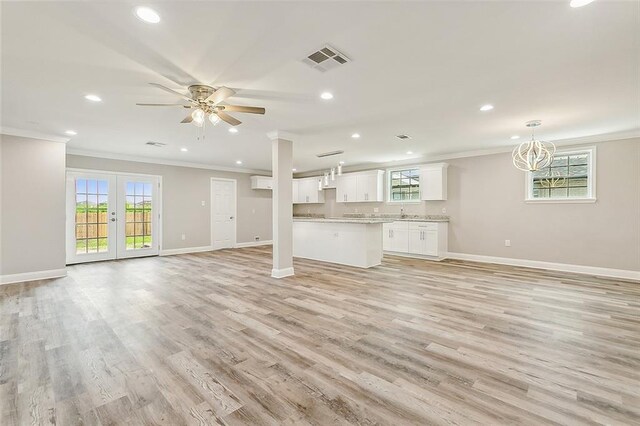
(206, 103)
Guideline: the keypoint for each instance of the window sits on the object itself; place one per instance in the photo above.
(404, 185)
(570, 177)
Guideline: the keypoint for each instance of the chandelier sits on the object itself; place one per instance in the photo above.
(534, 154)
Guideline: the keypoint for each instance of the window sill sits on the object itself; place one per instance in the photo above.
(560, 200)
(403, 202)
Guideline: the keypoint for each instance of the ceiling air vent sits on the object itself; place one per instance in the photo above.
(329, 154)
(403, 137)
(325, 59)
(156, 144)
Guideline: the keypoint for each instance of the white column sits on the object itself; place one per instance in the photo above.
(282, 163)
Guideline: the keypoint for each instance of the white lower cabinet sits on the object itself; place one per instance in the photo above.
(423, 238)
(395, 236)
(416, 238)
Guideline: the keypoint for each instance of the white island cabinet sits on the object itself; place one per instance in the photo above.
(353, 242)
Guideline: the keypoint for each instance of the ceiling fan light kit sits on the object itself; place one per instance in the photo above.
(206, 102)
(533, 155)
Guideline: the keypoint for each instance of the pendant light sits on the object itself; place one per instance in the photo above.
(534, 154)
(333, 174)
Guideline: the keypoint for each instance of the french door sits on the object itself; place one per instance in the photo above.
(111, 216)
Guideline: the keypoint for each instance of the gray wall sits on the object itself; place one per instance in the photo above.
(486, 205)
(32, 181)
(184, 189)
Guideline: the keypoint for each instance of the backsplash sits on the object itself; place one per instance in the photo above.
(331, 208)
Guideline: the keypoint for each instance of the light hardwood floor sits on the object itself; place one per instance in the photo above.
(210, 338)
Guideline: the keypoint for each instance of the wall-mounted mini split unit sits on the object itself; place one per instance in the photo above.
(156, 144)
(325, 59)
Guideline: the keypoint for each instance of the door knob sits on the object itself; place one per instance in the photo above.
(230, 217)
(113, 219)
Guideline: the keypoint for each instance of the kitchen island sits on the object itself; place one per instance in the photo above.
(353, 242)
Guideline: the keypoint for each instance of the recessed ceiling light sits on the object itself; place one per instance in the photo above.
(341, 162)
(355, 135)
(514, 137)
(71, 132)
(409, 152)
(147, 15)
(184, 149)
(326, 96)
(579, 3)
(293, 170)
(486, 107)
(233, 130)
(238, 162)
(93, 98)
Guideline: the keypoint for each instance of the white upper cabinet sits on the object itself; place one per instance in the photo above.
(308, 191)
(433, 182)
(261, 182)
(360, 187)
(294, 195)
(346, 188)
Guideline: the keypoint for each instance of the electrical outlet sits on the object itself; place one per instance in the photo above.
(184, 237)
(507, 243)
(376, 210)
(356, 210)
(257, 238)
(444, 210)
(203, 203)
(253, 211)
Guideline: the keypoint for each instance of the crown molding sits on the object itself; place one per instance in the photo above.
(137, 159)
(424, 159)
(279, 134)
(12, 131)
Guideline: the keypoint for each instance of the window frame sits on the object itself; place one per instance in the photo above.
(591, 180)
(388, 185)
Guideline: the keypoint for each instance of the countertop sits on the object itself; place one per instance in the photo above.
(364, 220)
(405, 218)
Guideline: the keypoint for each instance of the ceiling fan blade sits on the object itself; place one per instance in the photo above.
(186, 106)
(166, 89)
(220, 95)
(187, 119)
(229, 119)
(238, 108)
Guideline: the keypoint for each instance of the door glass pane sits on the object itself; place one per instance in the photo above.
(91, 216)
(139, 197)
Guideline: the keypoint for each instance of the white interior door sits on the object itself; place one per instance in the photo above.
(223, 213)
(111, 216)
(91, 217)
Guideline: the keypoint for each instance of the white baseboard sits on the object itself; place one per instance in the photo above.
(562, 267)
(281, 273)
(185, 250)
(415, 256)
(32, 276)
(254, 244)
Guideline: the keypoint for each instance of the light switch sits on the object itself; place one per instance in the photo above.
(203, 203)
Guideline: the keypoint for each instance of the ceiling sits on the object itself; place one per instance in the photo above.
(419, 68)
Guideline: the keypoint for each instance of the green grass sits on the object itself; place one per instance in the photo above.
(101, 244)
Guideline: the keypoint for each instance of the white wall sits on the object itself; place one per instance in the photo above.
(32, 191)
(184, 189)
(486, 205)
